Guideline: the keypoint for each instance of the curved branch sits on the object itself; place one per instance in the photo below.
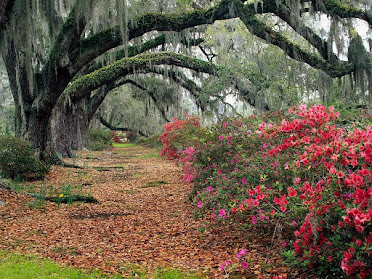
(284, 12)
(84, 85)
(90, 48)
(138, 49)
(336, 8)
(108, 125)
(181, 79)
(99, 97)
(261, 30)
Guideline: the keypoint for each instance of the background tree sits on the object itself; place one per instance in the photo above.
(58, 53)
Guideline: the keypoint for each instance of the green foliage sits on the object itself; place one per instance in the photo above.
(7, 120)
(99, 139)
(149, 142)
(19, 161)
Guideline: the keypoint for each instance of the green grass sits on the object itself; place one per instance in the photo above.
(116, 145)
(16, 266)
(174, 274)
(148, 156)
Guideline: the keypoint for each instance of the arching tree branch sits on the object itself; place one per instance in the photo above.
(84, 85)
(337, 8)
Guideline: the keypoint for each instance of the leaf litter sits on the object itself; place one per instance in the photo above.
(143, 217)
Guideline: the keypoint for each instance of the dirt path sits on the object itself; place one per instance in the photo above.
(143, 217)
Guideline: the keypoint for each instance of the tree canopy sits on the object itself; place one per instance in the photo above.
(63, 57)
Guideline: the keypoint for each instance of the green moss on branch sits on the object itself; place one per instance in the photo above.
(84, 85)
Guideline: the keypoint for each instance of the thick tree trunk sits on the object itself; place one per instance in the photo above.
(37, 134)
(66, 126)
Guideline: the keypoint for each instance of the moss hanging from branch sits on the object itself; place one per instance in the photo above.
(84, 85)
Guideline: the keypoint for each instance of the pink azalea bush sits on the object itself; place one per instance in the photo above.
(304, 170)
(180, 134)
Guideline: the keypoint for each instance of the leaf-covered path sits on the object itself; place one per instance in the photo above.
(143, 218)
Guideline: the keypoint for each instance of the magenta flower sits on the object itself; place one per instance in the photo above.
(241, 253)
(222, 267)
(200, 204)
(222, 212)
(254, 220)
(220, 138)
(244, 265)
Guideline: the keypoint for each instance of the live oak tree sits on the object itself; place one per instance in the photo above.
(63, 57)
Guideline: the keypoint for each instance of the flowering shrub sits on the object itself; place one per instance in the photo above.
(303, 171)
(115, 137)
(180, 134)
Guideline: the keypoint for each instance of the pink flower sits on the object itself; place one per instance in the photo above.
(200, 204)
(241, 253)
(220, 138)
(222, 212)
(244, 265)
(264, 145)
(222, 267)
(244, 181)
(254, 220)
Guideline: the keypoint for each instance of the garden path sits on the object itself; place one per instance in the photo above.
(143, 220)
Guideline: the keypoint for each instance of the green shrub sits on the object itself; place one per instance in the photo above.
(18, 160)
(149, 142)
(99, 139)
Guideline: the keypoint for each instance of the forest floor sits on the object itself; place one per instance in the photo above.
(143, 219)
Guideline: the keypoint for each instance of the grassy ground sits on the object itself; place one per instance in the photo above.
(123, 144)
(17, 266)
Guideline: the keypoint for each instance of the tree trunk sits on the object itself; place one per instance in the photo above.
(66, 127)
